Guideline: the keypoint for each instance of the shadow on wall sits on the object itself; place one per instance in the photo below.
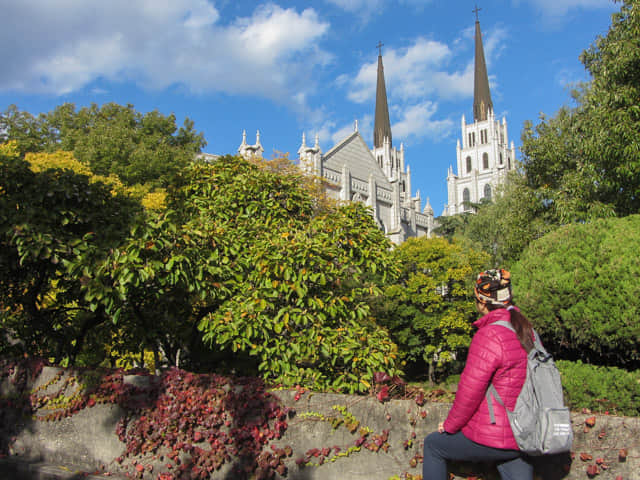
(16, 411)
(548, 467)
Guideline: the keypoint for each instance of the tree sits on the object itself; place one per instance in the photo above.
(579, 285)
(585, 161)
(277, 284)
(24, 129)
(45, 219)
(111, 139)
(429, 308)
(299, 306)
(506, 225)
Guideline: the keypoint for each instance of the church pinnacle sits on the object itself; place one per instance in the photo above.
(481, 94)
(382, 126)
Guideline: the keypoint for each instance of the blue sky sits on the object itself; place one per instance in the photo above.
(288, 67)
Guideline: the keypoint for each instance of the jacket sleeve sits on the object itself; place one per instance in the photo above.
(483, 360)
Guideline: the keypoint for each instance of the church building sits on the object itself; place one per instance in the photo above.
(484, 154)
(377, 177)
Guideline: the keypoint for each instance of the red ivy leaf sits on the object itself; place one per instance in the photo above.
(383, 394)
(381, 377)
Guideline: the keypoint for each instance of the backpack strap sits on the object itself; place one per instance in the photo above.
(492, 390)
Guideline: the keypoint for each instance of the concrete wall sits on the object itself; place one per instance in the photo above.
(87, 442)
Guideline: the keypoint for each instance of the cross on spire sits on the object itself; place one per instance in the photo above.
(379, 47)
(476, 10)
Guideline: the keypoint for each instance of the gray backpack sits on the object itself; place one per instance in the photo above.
(540, 422)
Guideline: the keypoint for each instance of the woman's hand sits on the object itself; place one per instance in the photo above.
(441, 427)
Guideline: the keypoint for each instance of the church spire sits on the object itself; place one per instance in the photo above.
(481, 94)
(382, 126)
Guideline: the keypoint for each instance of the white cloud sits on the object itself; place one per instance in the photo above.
(407, 72)
(417, 122)
(365, 10)
(157, 44)
(559, 8)
(422, 75)
(424, 69)
(366, 7)
(355, 6)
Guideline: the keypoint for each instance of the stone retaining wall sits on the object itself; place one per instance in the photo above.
(324, 443)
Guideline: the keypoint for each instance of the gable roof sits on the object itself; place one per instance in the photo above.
(355, 154)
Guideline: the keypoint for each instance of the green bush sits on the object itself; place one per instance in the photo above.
(580, 287)
(600, 389)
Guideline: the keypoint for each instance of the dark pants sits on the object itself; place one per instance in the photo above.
(440, 447)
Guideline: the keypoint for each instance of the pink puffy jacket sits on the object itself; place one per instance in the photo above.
(495, 355)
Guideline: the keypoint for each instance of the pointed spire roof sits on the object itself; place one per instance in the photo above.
(481, 95)
(382, 126)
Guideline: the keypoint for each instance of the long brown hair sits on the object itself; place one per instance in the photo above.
(521, 324)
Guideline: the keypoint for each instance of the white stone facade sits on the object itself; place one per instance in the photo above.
(484, 156)
(377, 178)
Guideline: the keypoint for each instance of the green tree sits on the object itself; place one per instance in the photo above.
(579, 285)
(585, 161)
(429, 307)
(23, 128)
(45, 219)
(504, 227)
(300, 306)
(111, 139)
(246, 254)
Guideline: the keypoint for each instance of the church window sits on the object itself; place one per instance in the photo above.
(484, 138)
(403, 187)
(487, 191)
(485, 160)
(468, 164)
(472, 139)
(509, 162)
(466, 198)
(500, 157)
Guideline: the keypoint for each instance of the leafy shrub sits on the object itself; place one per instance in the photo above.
(579, 286)
(428, 309)
(600, 388)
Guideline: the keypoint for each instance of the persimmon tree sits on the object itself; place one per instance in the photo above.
(429, 307)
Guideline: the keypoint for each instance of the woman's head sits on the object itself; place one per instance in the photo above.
(493, 288)
(493, 291)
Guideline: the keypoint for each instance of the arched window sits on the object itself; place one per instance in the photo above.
(468, 164)
(487, 191)
(466, 198)
(485, 160)
(509, 162)
(500, 158)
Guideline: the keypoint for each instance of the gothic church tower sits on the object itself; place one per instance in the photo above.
(377, 177)
(484, 155)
